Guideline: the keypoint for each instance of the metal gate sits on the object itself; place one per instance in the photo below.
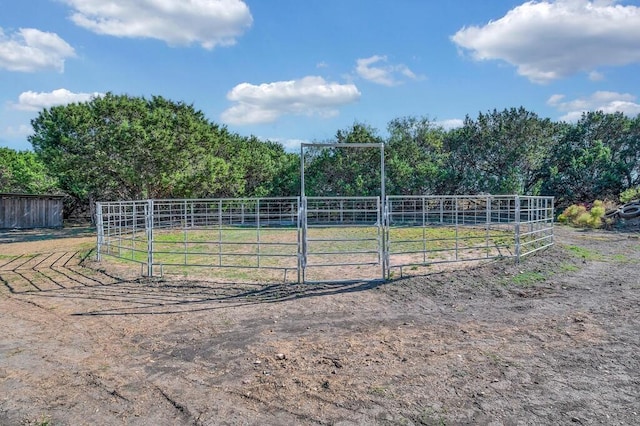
(322, 238)
(341, 234)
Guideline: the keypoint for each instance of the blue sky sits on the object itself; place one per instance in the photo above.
(299, 70)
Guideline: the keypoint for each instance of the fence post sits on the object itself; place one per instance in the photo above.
(517, 227)
(298, 227)
(149, 229)
(258, 227)
(488, 225)
(552, 211)
(100, 226)
(386, 273)
(303, 237)
(381, 237)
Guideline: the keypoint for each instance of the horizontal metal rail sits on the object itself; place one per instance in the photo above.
(303, 233)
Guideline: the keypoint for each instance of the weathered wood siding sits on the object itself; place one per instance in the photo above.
(30, 211)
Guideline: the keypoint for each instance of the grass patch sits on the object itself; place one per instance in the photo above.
(528, 278)
(377, 390)
(248, 247)
(584, 253)
(42, 421)
(430, 417)
(620, 258)
(568, 267)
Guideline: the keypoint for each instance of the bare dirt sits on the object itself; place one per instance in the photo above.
(553, 340)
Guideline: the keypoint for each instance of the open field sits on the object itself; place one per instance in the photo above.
(234, 252)
(553, 340)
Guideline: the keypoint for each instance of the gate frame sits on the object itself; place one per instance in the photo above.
(382, 203)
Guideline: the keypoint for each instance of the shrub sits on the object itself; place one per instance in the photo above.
(598, 209)
(630, 194)
(581, 216)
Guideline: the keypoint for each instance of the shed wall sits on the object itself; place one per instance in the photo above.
(23, 212)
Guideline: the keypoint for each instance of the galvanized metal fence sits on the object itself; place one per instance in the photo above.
(428, 230)
(322, 238)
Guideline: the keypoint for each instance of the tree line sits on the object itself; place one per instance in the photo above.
(119, 147)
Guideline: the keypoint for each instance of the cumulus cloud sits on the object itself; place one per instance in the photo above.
(266, 102)
(452, 123)
(30, 50)
(210, 23)
(549, 40)
(290, 145)
(377, 70)
(18, 131)
(35, 101)
(608, 102)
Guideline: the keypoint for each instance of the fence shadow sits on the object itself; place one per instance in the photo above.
(44, 272)
(68, 276)
(41, 234)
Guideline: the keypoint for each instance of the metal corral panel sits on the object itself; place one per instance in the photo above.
(23, 211)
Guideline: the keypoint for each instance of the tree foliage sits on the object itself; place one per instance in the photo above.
(416, 158)
(123, 147)
(22, 172)
(499, 153)
(345, 171)
(595, 158)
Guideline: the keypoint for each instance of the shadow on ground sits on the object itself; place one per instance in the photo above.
(41, 234)
(65, 275)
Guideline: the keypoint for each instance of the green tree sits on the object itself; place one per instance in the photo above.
(499, 152)
(345, 171)
(415, 157)
(22, 172)
(122, 147)
(266, 169)
(595, 158)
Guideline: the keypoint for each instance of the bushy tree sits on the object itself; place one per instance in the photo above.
(597, 157)
(122, 147)
(22, 172)
(499, 152)
(415, 157)
(345, 171)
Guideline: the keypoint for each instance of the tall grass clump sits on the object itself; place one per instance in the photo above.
(584, 216)
(630, 195)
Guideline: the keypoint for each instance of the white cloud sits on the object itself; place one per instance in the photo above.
(376, 70)
(210, 23)
(548, 40)
(452, 123)
(290, 145)
(555, 99)
(608, 102)
(30, 50)
(596, 76)
(266, 102)
(35, 101)
(18, 131)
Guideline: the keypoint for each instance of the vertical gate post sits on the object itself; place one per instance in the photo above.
(258, 227)
(517, 227)
(303, 238)
(149, 229)
(386, 273)
(381, 237)
(100, 226)
(550, 216)
(488, 223)
(299, 232)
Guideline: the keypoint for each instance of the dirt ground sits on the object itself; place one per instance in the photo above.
(553, 340)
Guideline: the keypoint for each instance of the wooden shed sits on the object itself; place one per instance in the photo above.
(24, 211)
